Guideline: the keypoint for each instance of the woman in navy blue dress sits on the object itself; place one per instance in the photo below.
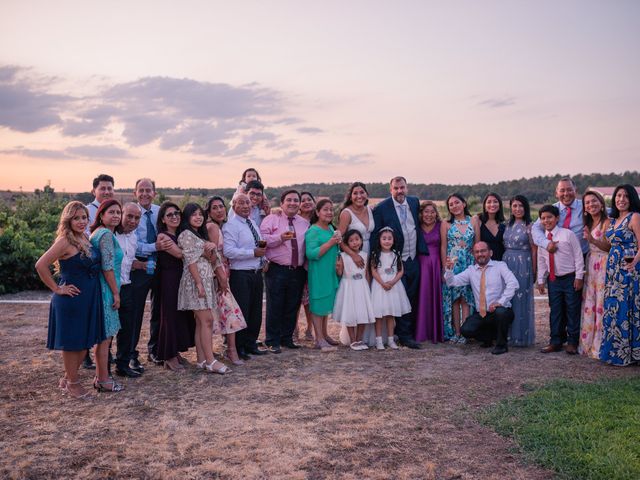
(75, 314)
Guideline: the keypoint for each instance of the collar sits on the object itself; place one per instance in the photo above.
(553, 232)
(95, 203)
(491, 263)
(145, 210)
(574, 205)
(396, 204)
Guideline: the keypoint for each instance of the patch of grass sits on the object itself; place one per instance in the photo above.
(583, 431)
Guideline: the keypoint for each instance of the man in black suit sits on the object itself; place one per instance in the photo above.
(400, 212)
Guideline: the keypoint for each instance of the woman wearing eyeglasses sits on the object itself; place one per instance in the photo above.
(177, 327)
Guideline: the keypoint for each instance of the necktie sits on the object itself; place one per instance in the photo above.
(294, 245)
(567, 219)
(403, 213)
(151, 231)
(552, 261)
(256, 237)
(483, 292)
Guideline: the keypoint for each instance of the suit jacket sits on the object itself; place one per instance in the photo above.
(385, 215)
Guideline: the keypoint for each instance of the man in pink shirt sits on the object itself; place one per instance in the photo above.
(286, 275)
(563, 268)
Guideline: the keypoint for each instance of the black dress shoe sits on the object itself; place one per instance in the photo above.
(255, 351)
(487, 344)
(407, 342)
(243, 355)
(499, 350)
(127, 372)
(134, 364)
(154, 359)
(274, 349)
(292, 345)
(87, 363)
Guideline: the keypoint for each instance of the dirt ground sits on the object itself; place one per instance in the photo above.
(300, 415)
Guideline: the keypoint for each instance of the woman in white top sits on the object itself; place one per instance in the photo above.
(357, 215)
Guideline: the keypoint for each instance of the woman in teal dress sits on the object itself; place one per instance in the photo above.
(460, 234)
(621, 321)
(106, 224)
(321, 242)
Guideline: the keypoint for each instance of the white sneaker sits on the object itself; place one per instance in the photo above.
(454, 339)
(379, 344)
(462, 340)
(392, 343)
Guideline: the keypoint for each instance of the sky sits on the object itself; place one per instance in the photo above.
(192, 93)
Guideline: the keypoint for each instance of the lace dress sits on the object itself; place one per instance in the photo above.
(112, 255)
(459, 245)
(621, 322)
(517, 256)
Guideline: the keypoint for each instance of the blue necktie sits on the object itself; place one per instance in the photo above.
(151, 231)
(403, 213)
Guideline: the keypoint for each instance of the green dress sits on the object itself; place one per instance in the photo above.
(323, 280)
(105, 241)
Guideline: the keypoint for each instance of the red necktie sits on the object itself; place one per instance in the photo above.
(294, 245)
(552, 261)
(567, 219)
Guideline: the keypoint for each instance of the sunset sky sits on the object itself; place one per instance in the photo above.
(192, 93)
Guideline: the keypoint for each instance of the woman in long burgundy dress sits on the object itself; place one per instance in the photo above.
(429, 322)
(177, 327)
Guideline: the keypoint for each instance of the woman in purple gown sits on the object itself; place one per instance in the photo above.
(429, 324)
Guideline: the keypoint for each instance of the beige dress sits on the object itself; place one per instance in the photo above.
(193, 252)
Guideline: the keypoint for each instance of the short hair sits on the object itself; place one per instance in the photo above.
(153, 183)
(634, 201)
(288, 192)
(103, 177)
(567, 179)
(255, 184)
(425, 204)
(397, 179)
(552, 209)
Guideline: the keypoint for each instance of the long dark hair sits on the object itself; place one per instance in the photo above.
(321, 203)
(376, 250)
(461, 198)
(484, 215)
(587, 219)
(350, 233)
(215, 198)
(527, 209)
(187, 213)
(634, 201)
(354, 185)
(104, 206)
(160, 225)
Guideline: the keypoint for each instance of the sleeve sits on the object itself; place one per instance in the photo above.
(537, 232)
(269, 231)
(542, 265)
(511, 285)
(578, 258)
(231, 247)
(312, 244)
(107, 251)
(460, 280)
(191, 248)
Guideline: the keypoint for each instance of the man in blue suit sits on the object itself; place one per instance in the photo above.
(400, 212)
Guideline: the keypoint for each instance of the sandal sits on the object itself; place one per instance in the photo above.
(200, 365)
(65, 389)
(237, 362)
(222, 370)
(100, 386)
(331, 341)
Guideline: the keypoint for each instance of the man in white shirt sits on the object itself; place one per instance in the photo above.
(102, 190)
(244, 248)
(563, 268)
(255, 191)
(128, 241)
(493, 285)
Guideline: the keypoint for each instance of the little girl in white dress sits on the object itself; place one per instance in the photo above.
(352, 307)
(388, 295)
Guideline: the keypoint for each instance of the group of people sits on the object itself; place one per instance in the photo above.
(394, 275)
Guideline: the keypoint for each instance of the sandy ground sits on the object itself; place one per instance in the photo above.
(299, 415)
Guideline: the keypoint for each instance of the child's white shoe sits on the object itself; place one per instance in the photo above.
(379, 344)
(392, 343)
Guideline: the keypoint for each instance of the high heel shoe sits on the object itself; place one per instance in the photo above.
(168, 365)
(237, 362)
(100, 386)
(222, 370)
(64, 386)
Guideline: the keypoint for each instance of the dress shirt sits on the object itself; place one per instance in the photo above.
(256, 214)
(128, 243)
(576, 226)
(239, 244)
(93, 209)
(278, 251)
(145, 249)
(501, 283)
(408, 229)
(567, 258)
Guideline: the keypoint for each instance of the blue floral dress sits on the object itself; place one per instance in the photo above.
(621, 321)
(111, 253)
(459, 245)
